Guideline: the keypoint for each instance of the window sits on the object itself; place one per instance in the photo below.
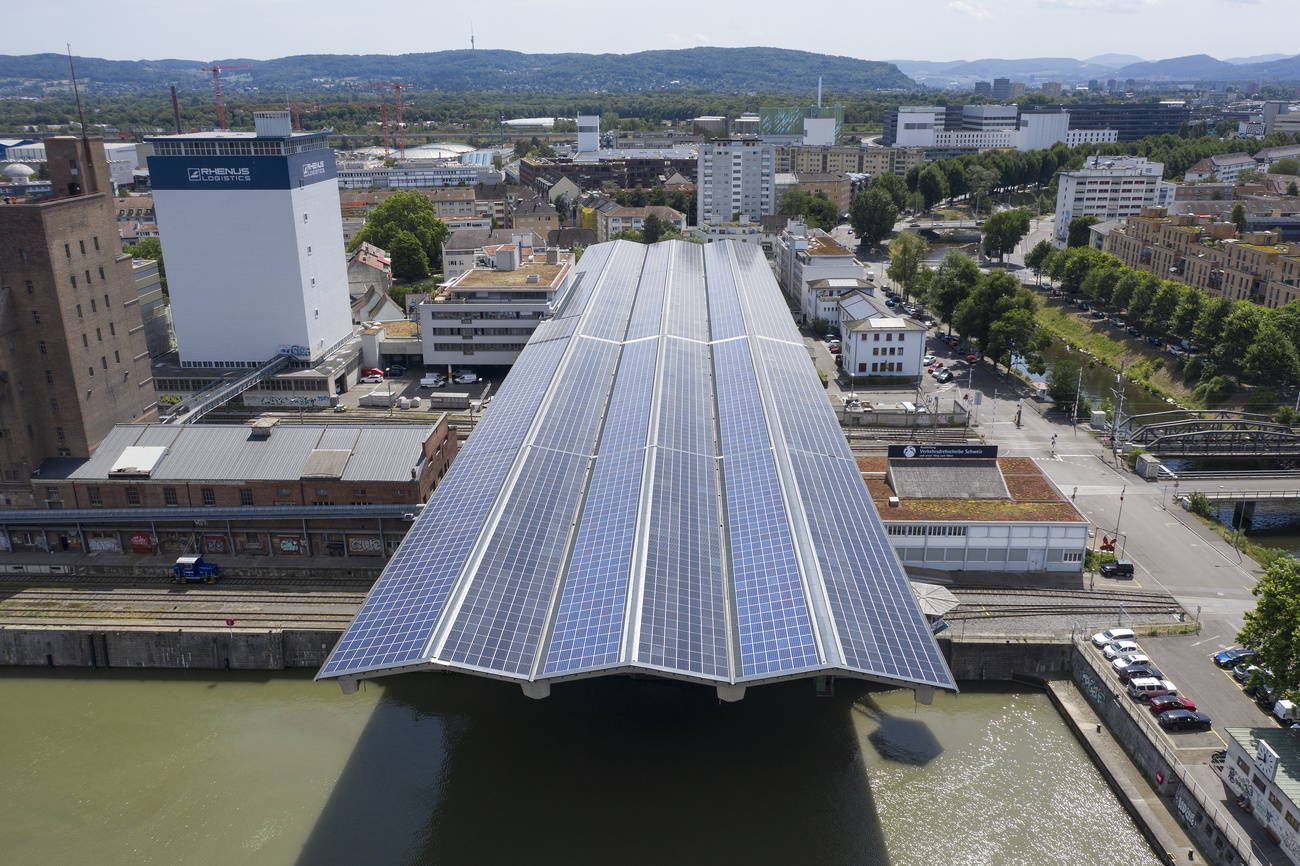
(78, 311)
(1258, 783)
(101, 276)
(133, 496)
(92, 300)
(103, 361)
(92, 493)
(88, 283)
(169, 496)
(58, 433)
(117, 357)
(54, 406)
(304, 218)
(98, 335)
(67, 251)
(96, 240)
(320, 491)
(877, 338)
(74, 280)
(49, 377)
(1292, 822)
(283, 491)
(1072, 556)
(92, 372)
(31, 287)
(106, 303)
(359, 492)
(112, 329)
(209, 496)
(36, 316)
(85, 343)
(900, 337)
(1274, 802)
(245, 496)
(398, 494)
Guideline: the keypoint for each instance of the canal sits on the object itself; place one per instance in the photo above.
(149, 767)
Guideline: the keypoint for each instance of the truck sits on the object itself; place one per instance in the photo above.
(1286, 712)
(192, 569)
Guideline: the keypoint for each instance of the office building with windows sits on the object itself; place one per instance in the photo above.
(736, 176)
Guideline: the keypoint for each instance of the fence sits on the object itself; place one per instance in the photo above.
(1241, 846)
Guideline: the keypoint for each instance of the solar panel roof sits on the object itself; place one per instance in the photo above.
(660, 487)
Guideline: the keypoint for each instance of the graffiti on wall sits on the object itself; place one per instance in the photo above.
(365, 544)
(1095, 691)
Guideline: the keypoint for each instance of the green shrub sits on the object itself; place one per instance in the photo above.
(1200, 505)
(1261, 400)
(1211, 392)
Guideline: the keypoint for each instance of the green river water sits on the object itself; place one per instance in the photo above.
(109, 768)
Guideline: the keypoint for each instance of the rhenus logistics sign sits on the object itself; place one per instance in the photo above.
(220, 175)
(242, 172)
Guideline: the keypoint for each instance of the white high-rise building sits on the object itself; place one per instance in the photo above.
(1107, 187)
(588, 133)
(736, 176)
(252, 235)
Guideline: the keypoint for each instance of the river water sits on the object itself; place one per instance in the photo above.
(149, 767)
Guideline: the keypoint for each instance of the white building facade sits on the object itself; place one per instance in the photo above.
(1107, 188)
(736, 176)
(992, 546)
(804, 255)
(253, 237)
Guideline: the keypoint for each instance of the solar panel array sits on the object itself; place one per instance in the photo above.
(660, 486)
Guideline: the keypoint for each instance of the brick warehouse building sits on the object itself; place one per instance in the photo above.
(73, 358)
(253, 489)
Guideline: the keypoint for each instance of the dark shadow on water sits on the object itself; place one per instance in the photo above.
(901, 739)
(458, 769)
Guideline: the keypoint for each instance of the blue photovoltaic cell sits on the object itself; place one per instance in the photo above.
(501, 620)
(575, 298)
(807, 420)
(611, 301)
(688, 306)
(629, 407)
(686, 398)
(589, 627)
(394, 623)
(876, 616)
(768, 314)
(683, 613)
(511, 414)
(772, 617)
(725, 317)
(647, 311)
(569, 422)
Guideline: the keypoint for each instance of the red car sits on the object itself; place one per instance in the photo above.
(1170, 702)
(971, 359)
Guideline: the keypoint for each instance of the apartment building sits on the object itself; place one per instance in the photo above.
(736, 176)
(77, 361)
(612, 220)
(805, 256)
(836, 187)
(1107, 188)
(848, 159)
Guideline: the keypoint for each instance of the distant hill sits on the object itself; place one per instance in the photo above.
(1032, 71)
(1115, 60)
(1261, 58)
(1191, 67)
(720, 69)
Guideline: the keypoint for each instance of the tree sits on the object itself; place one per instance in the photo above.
(409, 260)
(1285, 165)
(1079, 231)
(1143, 296)
(1063, 387)
(1272, 356)
(1099, 285)
(637, 197)
(562, 208)
(1003, 230)
(953, 282)
(980, 181)
(1239, 217)
(658, 196)
(651, 229)
(1189, 310)
(893, 186)
(932, 185)
(151, 248)
(1210, 323)
(1273, 627)
(1165, 304)
(1015, 335)
(1125, 286)
(405, 212)
(1038, 255)
(816, 209)
(996, 294)
(906, 252)
(1240, 330)
(628, 235)
(1292, 189)
(872, 215)
(1249, 175)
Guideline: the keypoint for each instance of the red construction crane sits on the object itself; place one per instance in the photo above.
(216, 82)
(401, 138)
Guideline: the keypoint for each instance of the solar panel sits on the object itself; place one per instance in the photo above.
(659, 485)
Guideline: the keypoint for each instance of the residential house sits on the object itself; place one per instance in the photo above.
(376, 306)
(369, 267)
(618, 218)
(464, 249)
(536, 214)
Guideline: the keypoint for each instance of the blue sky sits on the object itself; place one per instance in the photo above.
(872, 30)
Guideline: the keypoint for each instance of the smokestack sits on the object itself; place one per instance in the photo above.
(176, 110)
(819, 92)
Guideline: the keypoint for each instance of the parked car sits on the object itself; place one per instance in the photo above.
(1098, 314)
(914, 224)
(1101, 638)
(943, 377)
(928, 359)
(395, 372)
(1242, 672)
(835, 348)
(1286, 712)
(1057, 293)
(971, 359)
(1118, 568)
(1233, 657)
(1176, 351)
(1134, 331)
(1129, 660)
(891, 303)
(1184, 720)
(465, 378)
(1120, 648)
(372, 379)
(1153, 341)
(1082, 307)
(1138, 671)
(1145, 688)
(1118, 323)
(1164, 703)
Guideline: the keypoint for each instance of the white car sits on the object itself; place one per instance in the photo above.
(1120, 648)
(1100, 639)
(372, 379)
(928, 360)
(1129, 659)
(465, 379)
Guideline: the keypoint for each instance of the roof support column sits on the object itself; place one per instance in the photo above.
(730, 692)
(536, 690)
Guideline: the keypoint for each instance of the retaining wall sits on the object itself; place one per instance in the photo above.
(240, 649)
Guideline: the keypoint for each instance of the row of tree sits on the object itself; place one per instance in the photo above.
(407, 226)
(1243, 339)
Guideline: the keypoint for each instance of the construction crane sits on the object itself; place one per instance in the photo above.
(401, 138)
(216, 82)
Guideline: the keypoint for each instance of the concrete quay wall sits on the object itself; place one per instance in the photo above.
(211, 649)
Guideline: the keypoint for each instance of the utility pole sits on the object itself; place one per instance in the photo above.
(1078, 390)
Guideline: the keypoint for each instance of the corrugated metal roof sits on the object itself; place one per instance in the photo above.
(326, 463)
(212, 452)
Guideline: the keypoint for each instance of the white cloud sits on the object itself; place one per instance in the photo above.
(967, 9)
(688, 39)
(1099, 5)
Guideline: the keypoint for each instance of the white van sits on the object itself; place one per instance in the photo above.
(1100, 639)
(1146, 688)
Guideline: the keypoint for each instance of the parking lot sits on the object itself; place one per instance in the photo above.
(408, 385)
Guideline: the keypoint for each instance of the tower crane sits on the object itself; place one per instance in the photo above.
(401, 138)
(216, 69)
